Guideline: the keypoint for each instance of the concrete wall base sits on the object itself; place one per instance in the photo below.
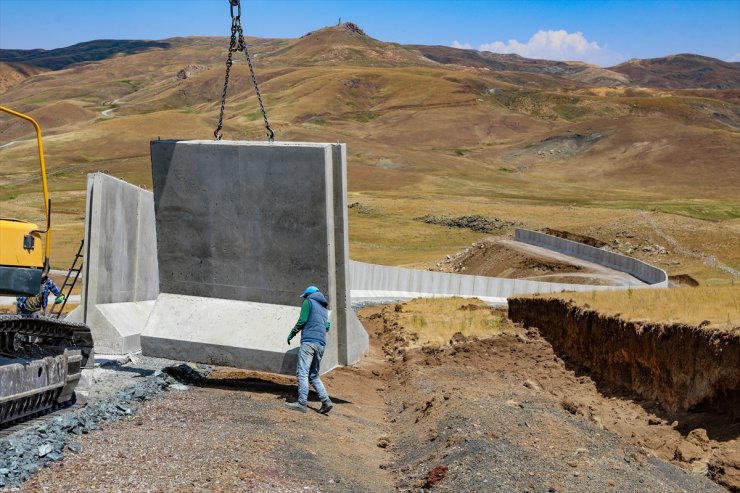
(240, 334)
(358, 340)
(116, 327)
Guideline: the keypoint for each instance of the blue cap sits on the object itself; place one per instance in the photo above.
(309, 290)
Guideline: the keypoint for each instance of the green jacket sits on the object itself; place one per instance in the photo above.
(303, 319)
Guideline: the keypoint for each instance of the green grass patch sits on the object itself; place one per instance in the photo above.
(133, 85)
(571, 111)
(317, 120)
(396, 240)
(718, 211)
(365, 117)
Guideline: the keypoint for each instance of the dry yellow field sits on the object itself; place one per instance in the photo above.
(436, 320)
(714, 306)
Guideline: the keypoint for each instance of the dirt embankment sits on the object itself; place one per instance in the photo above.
(491, 257)
(575, 237)
(497, 257)
(506, 414)
(678, 365)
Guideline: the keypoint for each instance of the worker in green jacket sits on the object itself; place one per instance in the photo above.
(313, 324)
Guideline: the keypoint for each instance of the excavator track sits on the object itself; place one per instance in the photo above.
(41, 362)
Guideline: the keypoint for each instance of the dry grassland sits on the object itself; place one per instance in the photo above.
(436, 320)
(711, 306)
(421, 139)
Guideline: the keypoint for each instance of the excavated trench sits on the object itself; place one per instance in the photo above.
(682, 367)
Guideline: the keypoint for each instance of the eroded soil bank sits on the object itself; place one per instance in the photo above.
(684, 375)
(678, 365)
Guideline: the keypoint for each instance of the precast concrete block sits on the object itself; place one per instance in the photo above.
(120, 263)
(117, 327)
(251, 224)
(216, 331)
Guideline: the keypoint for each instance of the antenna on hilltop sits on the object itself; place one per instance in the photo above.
(339, 22)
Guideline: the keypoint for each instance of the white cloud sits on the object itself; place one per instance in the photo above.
(736, 58)
(462, 46)
(556, 45)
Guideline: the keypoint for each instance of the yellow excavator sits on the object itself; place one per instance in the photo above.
(41, 358)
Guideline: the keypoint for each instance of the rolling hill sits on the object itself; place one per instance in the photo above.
(682, 72)
(430, 129)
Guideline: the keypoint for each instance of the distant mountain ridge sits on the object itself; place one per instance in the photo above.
(88, 51)
(348, 44)
(420, 121)
(682, 71)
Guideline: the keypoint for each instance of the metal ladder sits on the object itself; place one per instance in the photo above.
(69, 282)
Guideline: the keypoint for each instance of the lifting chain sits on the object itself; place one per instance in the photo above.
(238, 43)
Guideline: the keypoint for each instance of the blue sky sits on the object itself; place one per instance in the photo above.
(598, 31)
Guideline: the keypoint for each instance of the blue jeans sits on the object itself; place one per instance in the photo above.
(309, 359)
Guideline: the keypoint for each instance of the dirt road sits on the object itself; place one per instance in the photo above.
(500, 414)
(513, 259)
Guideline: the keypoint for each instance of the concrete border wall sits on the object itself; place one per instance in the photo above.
(371, 282)
(120, 279)
(645, 272)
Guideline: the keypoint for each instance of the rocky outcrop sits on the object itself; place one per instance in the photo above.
(682, 367)
(190, 70)
(479, 224)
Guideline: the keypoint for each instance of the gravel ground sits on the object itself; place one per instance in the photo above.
(116, 392)
(490, 415)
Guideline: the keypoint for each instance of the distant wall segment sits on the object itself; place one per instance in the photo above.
(643, 271)
(379, 283)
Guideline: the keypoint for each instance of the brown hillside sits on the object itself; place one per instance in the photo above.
(344, 44)
(567, 146)
(682, 71)
(12, 74)
(50, 117)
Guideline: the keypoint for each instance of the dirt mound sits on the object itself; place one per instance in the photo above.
(567, 235)
(684, 280)
(495, 259)
(479, 224)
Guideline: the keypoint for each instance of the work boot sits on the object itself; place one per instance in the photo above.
(296, 406)
(326, 406)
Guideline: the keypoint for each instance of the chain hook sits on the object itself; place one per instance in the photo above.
(238, 5)
(238, 43)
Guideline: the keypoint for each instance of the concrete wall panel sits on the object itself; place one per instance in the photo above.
(249, 225)
(242, 222)
(120, 266)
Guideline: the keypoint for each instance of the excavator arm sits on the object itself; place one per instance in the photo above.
(22, 257)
